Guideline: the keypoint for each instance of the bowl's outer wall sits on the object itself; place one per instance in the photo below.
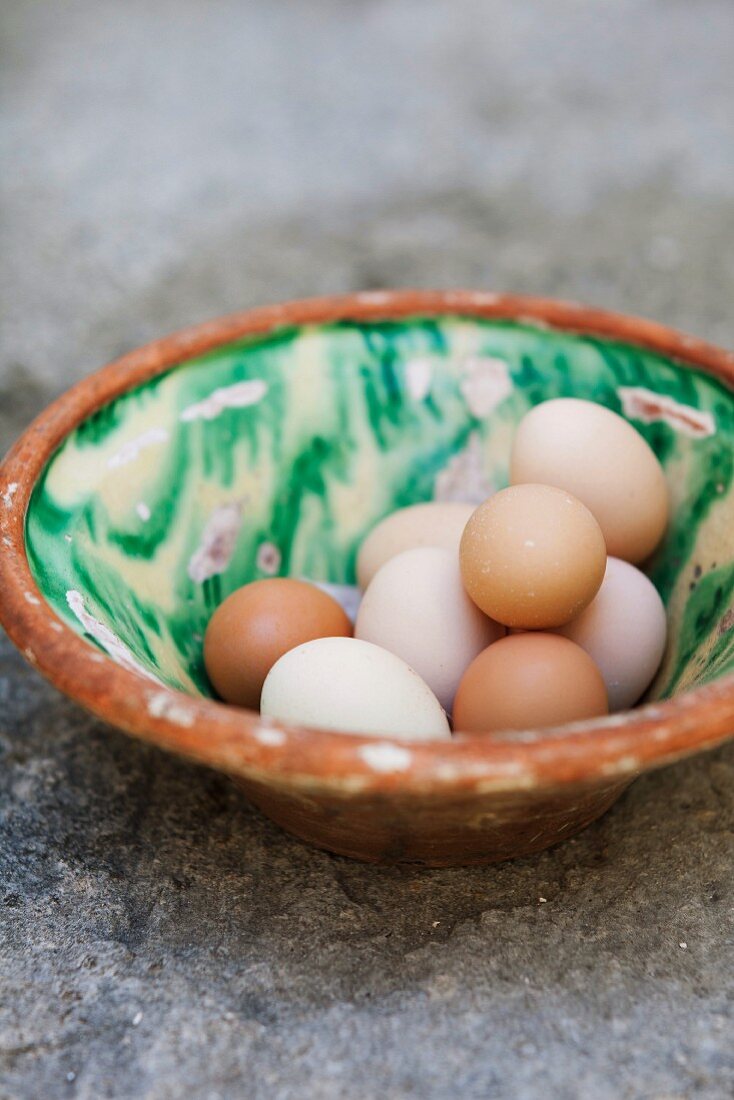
(308, 778)
(435, 832)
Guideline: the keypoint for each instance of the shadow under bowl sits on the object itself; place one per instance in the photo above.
(268, 443)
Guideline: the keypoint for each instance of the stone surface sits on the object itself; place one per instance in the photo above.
(167, 161)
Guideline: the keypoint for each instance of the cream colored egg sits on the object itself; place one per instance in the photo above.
(416, 606)
(352, 686)
(432, 524)
(623, 629)
(600, 458)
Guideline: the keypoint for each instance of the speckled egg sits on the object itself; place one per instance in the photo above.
(532, 556)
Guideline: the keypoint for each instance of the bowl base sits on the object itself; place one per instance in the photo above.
(430, 831)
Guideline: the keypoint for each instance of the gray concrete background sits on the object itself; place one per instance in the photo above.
(168, 161)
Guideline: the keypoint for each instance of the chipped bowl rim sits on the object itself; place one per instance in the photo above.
(242, 743)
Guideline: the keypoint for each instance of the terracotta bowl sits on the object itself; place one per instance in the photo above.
(268, 443)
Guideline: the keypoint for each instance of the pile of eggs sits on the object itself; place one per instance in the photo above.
(527, 611)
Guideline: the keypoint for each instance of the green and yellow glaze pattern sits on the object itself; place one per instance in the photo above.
(277, 454)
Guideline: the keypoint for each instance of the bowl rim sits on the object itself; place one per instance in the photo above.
(240, 742)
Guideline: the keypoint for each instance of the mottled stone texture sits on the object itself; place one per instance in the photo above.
(166, 161)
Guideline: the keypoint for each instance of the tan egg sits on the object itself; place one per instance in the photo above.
(529, 681)
(532, 557)
(623, 629)
(354, 687)
(416, 607)
(432, 524)
(256, 625)
(595, 454)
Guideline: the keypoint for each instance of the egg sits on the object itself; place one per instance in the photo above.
(532, 557)
(528, 681)
(431, 524)
(416, 607)
(623, 629)
(595, 454)
(353, 686)
(256, 625)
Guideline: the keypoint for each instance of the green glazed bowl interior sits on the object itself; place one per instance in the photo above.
(275, 454)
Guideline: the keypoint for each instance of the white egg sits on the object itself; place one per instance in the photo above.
(623, 630)
(352, 686)
(416, 606)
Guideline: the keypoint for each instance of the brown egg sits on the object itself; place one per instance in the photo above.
(257, 624)
(532, 556)
(527, 681)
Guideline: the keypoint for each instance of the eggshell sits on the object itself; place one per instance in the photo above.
(529, 681)
(352, 686)
(416, 607)
(623, 629)
(532, 556)
(595, 454)
(256, 625)
(431, 524)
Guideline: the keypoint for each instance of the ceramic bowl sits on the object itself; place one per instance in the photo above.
(269, 443)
